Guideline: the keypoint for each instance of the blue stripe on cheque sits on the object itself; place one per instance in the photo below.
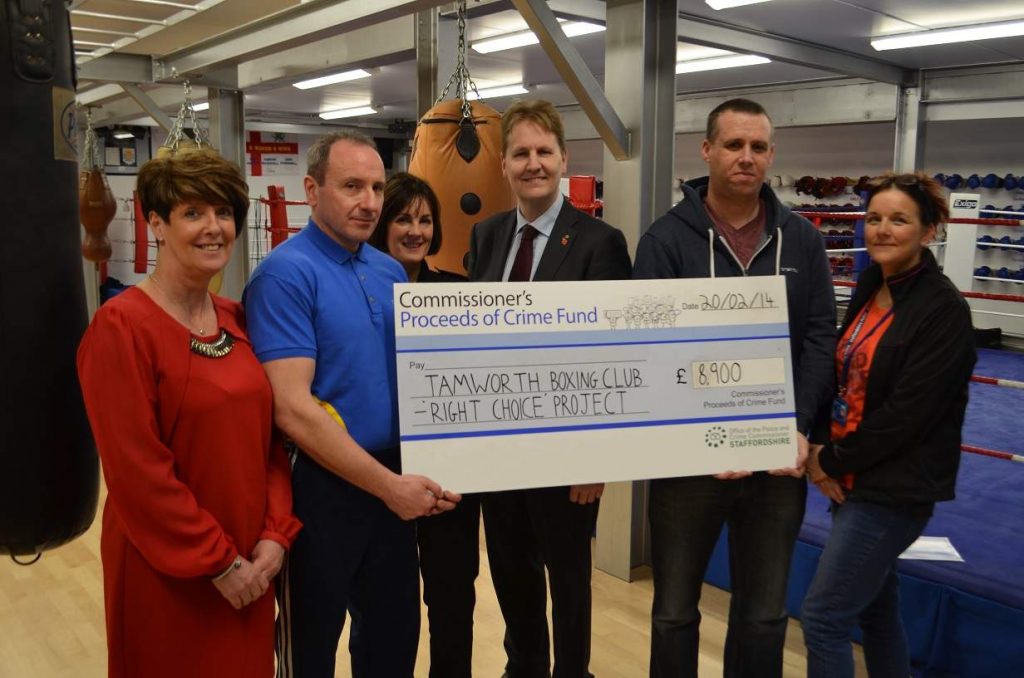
(533, 340)
(591, 427)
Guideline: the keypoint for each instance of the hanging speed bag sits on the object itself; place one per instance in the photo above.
(49, 477)
(461, 160)
(96, 209)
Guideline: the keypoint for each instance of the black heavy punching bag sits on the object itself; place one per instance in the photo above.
(49, 477)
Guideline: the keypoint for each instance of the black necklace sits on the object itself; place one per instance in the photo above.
(214, 349)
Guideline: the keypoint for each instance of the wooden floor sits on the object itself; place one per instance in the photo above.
(51, 622)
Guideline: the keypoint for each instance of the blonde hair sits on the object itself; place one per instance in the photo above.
(537, 111)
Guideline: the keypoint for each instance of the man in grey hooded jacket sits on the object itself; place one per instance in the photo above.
(731, 224)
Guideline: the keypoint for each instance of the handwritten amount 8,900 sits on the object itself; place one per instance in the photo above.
(746, 372)
(711, 374)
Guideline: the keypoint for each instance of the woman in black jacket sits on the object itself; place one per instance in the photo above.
(409, 229)
(903, 364)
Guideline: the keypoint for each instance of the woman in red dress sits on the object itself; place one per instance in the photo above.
(199, 508)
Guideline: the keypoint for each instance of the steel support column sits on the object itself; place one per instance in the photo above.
(639, 81)
(910, 130)
(227, 134)
(425, 37)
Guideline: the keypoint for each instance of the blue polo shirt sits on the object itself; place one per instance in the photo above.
(312, 298)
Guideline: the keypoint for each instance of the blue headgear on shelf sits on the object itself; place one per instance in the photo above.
(992, 181)
(973, 181)
(1010, 182)
(954, 181)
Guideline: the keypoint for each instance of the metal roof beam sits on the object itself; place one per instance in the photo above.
(576, 75)
(291, 28)
(148, 105)
(701, 31)
(118, 67)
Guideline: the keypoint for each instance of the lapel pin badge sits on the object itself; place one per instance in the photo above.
(565, 240)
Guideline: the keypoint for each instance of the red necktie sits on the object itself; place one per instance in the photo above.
(522, 266)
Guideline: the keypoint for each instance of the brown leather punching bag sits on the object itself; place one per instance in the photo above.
(96, 209)
(461, 160)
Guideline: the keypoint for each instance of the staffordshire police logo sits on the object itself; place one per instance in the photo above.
(715, 437)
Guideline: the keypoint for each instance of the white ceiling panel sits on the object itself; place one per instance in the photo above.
(843, 25)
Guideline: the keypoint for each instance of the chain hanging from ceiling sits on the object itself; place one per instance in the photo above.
(91, 147)
(461, 78)
(187, 112)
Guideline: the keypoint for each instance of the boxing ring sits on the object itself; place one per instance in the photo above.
(962, 618)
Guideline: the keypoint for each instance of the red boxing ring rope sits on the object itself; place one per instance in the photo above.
(1009, 383)
(992, 453)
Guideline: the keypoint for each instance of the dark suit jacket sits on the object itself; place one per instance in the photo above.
(581, 247)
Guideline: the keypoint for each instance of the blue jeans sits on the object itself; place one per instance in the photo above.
(855, 583)
(763, 513)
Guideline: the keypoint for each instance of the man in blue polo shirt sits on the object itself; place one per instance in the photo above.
(321, 320)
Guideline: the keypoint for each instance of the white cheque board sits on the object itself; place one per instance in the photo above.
(514, 385)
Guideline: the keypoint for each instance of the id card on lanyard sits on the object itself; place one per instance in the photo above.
(840, 408)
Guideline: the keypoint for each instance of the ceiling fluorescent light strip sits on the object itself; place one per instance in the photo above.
(945, 36)
(104, 31)
(123, 135)
(332, 79)
(716, 63)
(524, 38)
(348, 112)
(198, 108)
(115, 17)
(729, 4)
(89, 43)
(497, 92)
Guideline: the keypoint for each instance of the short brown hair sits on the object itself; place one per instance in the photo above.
(402, 190)
(537, 111)
(736, 106)
(316, 156)
(922, 189)
(195, 174)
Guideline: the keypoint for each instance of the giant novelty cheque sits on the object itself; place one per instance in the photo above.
(515, 385)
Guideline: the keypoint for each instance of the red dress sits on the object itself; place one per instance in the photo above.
(193, 479)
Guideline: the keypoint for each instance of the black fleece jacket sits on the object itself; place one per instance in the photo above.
(906, 449)
(676, 246)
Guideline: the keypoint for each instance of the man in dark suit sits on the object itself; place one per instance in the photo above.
(544, 238)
